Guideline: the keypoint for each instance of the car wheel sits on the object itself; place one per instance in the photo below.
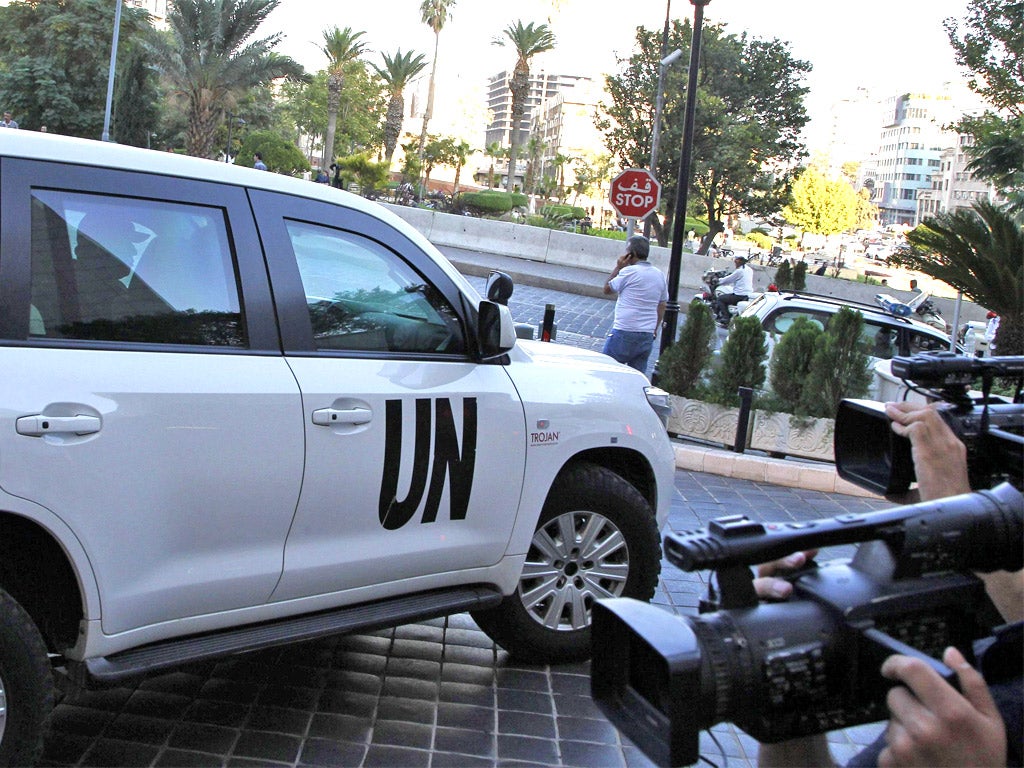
(26, 685)
(596, 537)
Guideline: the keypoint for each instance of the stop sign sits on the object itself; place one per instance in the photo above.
(635, 193)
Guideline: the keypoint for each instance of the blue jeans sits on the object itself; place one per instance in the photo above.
(630, 347)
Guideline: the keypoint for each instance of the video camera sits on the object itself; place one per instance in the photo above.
(811, 664)
(869, 454)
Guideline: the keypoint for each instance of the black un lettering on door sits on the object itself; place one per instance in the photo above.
(447, 461)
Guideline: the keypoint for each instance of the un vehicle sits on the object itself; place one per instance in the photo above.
(239, 410)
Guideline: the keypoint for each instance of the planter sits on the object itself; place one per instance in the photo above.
(703, 421)
(775, 433)
(781, 433)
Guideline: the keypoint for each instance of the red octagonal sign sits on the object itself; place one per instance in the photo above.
(635, 193)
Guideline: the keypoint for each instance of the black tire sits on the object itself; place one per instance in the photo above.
(26, 685)
(547, 619)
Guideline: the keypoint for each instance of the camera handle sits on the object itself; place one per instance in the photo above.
(880, 645)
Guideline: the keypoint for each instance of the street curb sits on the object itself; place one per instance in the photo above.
(762, 469)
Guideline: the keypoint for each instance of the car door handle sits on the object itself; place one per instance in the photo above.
(325, 417)
(39, 425)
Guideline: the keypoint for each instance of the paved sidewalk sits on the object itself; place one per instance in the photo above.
(432, 694)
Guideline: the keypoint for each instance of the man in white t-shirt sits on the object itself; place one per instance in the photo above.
(742, 282)
(642, 294)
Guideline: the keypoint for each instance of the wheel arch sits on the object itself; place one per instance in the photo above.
(631, 465)
(36, 571)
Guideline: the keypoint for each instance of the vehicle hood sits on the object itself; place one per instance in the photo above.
(550, 353)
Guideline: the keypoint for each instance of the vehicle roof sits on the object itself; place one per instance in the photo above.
(813, 300)
(104, 154)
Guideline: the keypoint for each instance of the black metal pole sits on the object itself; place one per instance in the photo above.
(668, 332)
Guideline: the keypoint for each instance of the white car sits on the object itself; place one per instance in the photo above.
(887, 334)
(239, 409)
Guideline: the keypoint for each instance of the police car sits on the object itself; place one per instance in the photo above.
(239, 410)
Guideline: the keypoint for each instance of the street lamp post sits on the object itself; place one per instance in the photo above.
(668, 332)
(232, 118)
(110, 73)
(659, 105)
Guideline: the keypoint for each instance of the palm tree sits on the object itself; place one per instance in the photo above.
(528, 41)
(979, 251)
(397, 73)
(434, 13)
(210, 61)
(495, 151)
(340, 47)
(461, 150)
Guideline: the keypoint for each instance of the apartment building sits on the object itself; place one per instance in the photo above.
(952, 185)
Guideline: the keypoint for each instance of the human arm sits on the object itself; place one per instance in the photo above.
(661, 317)
(621, 263)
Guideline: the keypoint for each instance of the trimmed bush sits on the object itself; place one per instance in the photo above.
(743, 362)
(563, 212)
(488, 202)
(681, 365)
(760, 239)
(840, 366)
(791, 362)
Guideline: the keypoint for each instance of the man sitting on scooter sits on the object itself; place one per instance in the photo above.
(742, 282)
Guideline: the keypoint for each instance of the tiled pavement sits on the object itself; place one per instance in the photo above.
(433, 694)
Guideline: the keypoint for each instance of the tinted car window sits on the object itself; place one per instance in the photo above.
(361, 296)
(123, 269)
(781, 321)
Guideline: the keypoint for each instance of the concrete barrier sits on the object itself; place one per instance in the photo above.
(598, 254)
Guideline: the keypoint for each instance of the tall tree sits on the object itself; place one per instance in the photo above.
(56, 60)
(749, 116)
(990, 45)
(340, 47)
(461, 150)
(397, 73)
(211, 60)
(435, 14)
(822, 205)
(979, 251)
(528, 41)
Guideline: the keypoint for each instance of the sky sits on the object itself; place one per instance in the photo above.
(888, 46)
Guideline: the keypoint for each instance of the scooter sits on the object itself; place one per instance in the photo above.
(928, 312)
(709, 295)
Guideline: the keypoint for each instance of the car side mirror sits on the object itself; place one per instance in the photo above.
(495, 330)
(499, 287)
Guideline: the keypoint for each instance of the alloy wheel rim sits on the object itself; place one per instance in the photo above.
(574, 559)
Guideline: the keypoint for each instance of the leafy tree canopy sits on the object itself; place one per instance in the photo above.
(990, 45)
(279, 154)
(822, 205)
(748, 119)
(56, 61)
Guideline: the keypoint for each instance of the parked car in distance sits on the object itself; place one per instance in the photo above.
(240, 409)
(886, 334)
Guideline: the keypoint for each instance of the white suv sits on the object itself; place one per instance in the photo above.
(887, 334)
(239, 410)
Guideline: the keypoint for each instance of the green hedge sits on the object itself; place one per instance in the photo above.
(493, 202)
(563, 212)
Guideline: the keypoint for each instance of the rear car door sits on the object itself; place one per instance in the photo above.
(145, 399)
(415, 452)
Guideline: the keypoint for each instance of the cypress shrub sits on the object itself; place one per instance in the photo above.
(743, 361)
(800, 276)
(784, 276)
(791, 362)
(840, 366)
(681, 365)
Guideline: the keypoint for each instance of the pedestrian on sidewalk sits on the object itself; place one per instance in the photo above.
(642, 294)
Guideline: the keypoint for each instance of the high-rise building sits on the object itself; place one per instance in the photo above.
(952, 185)
(913, 137)
(499, 102)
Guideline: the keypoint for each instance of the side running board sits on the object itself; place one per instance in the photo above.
(366, 616)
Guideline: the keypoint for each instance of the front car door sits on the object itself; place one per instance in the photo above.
(415, 452)
(146, 401)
